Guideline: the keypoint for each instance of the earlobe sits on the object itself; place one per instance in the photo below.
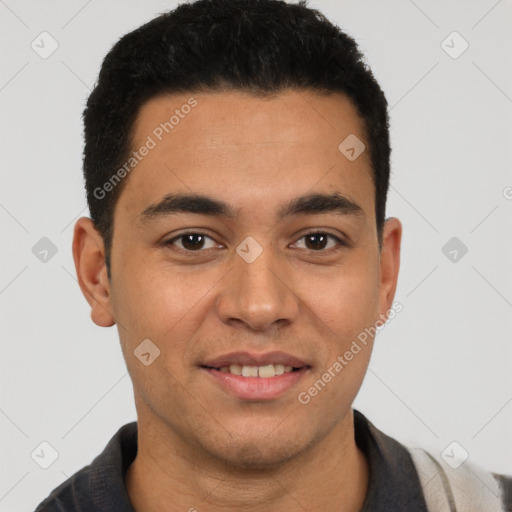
(91, 270)
(389, 263)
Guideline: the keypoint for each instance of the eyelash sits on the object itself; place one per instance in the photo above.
(341, 243)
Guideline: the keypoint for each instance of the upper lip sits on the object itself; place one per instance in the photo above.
(253, 359)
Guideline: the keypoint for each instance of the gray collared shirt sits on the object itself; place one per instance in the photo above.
(393, 480)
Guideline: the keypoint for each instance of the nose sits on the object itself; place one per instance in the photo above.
(258, 294)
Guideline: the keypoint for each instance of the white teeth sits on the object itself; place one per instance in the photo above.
(235, 369)
(249, 371)
(279, 368)
(265, 372)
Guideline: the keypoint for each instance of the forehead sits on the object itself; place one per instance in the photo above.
(235, 109)
(238, 146)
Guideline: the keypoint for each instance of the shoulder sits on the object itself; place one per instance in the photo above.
(67, 496)
(99, 485)
(462, 486)
(442, 485)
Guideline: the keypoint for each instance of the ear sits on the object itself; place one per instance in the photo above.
(389, 264)
(91, 269)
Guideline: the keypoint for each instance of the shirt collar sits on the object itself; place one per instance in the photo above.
(393, 481)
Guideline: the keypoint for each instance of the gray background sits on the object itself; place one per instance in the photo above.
(441, 370)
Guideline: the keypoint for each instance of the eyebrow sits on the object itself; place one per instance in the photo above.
(314, 203)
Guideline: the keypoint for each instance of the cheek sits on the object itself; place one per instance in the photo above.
(349, 299)
(348, 313)
(160, 307)
(159, 303)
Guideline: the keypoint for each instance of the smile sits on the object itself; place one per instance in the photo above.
(256, 377)
(267, 371)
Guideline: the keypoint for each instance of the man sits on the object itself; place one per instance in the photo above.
(237, 164)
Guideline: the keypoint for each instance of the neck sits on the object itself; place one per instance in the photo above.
(166, 475)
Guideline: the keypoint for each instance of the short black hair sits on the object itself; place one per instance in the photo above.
(259, 46)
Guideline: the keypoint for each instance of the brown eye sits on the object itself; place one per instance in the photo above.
(192, 241)
(317, 241)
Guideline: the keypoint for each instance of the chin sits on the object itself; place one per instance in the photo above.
(253, 452)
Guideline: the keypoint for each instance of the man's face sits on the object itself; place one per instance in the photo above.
(252, 289)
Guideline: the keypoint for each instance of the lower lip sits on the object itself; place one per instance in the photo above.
(257, 388)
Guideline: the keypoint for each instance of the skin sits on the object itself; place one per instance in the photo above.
(199, 447)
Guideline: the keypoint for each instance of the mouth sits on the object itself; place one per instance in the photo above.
(256, 377)
(265, 372)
